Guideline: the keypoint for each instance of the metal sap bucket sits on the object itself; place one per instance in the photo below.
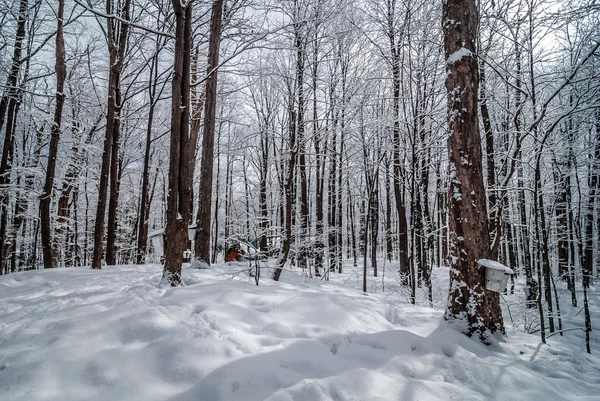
(496, 275)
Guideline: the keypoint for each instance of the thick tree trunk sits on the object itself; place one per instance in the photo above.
(202, 245)
(181, 148)
(476, 310)
(46, 197)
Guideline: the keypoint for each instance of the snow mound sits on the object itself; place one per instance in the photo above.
(199, 264)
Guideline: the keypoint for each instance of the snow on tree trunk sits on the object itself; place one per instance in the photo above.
(475, 310)
(46, 199)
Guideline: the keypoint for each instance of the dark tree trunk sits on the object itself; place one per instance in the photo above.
(351, 215)
(494, 205)
(113, 199)
(145, 201)
(339, 203)
(262, 196)
(288, 191)
(475, 309)
(7, 110)
(395, 47)
(46, 197)
(304, 214)
(202, 245)
(22, 200)
(374, 205)
(142, 240)
(541, 235)
(389, 245)
(319, 215)
(332, 199)
(182, 147)
(594, 189)
(117, 45)
(217, 201)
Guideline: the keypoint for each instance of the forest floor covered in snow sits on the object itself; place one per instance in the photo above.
(114, 334)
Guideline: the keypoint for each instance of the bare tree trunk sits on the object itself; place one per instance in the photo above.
(588, 320)
(142, 241)
(476, 309)
(288, 190)
(202, 238)
(182, 147)
(351, 215)
(46, 197)
(262, 196)
(300, 46)
(541, 236)
(339, 203)
(7, 110)
(374, 205)
(113, 199)
(217, 201)
(389, 245)
(117, 45)
(320, 179)
(395, 46)
(594, 190)
(247, 195)
(332, 199)
(494, 206)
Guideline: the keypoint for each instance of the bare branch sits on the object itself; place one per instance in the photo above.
(124, 21)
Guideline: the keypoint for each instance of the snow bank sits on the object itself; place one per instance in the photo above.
(77, 334)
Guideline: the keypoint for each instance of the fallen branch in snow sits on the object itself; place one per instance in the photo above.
(565, 330)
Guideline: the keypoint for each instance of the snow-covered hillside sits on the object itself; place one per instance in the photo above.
(78, 334)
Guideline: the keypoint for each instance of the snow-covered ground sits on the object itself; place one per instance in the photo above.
(78, 334)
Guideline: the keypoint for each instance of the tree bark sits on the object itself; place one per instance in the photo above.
(475, 310)
(288, 191)
(594, 189)
(181, 148)
(494, 205)
(389, 244)
(300, 46)
(262, 196)
(202, 238)
(7, 108)
(46, 197)
(117, 45)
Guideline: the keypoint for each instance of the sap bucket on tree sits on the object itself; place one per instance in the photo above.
(496, 275)
(157, 238)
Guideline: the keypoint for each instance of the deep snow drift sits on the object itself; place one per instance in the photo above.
(78, 334)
